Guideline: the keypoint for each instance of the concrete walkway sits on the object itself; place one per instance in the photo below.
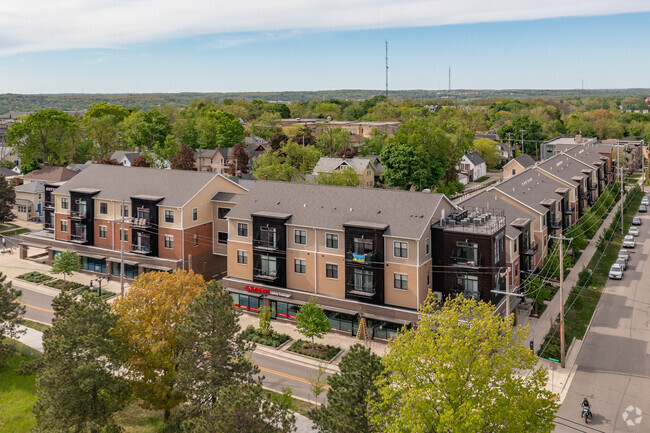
(30, 337)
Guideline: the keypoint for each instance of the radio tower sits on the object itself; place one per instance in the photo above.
(386, 69)
(449, 80)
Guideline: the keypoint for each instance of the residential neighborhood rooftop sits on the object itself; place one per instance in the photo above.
(51, 173)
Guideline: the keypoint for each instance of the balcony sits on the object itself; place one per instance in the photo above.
(266, 275)
(360, 290)
(77, 215)
(141, 223)
(585, 195)
(556, 225)
(593, 187)
(49, 205)
(78, 239)
(269, 245)
(569, 210)
(465, 262)
(361, 258)
(531, 250)
(141, 249)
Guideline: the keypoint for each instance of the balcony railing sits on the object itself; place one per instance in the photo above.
(77, 215)
(360, 258)
(48, 204)
(593, 187)
(265, 275)
(363, 290)
(531, 250)
(465, 262)
(266, 244)
(140, 223)
(585, 195)
(569, 210)
(78, 238)
(141, 249)
(556, 225)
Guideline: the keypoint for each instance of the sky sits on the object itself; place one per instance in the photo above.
(150, 46)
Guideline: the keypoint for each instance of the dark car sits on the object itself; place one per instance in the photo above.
(10, 217)
(643, 209)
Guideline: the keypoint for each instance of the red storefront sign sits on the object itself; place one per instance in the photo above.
(256, 289)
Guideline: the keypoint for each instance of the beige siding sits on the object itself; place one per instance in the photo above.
(177, 217)
(402, 298)
(201, 201)
(238, 270)
(329, 286)
(423, 286)
(309, 231)
(58, 208)
(304, 282)
(389, 253)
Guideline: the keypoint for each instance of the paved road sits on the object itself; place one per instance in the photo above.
(614, 361)
(38, 305)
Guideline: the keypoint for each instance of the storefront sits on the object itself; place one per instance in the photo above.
(130, 269)
(93, 264)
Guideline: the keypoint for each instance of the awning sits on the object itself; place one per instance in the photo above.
(283, 299)
(339, 310)
(385, 319)
(156, 267)
(92, 256)
(29, 244)
(244, 292)
(126, 262)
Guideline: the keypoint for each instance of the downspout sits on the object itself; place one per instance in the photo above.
(182, 239)
(315, 261)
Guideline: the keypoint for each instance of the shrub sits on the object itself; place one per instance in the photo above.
(35, 277)
(320, 351)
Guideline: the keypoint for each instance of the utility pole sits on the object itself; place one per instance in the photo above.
(122, 250)
(507, 292)
(522, 140)
(561, 238)
(618, 155)
(386, 69)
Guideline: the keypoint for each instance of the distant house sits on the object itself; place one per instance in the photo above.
(217, 160)
(473, 166)
(380, 168)
(255, 145)
(363, 166)
(517, 165)
(29, 200)
(505, 151)
(49, 173)
(79, 167)
(126, 158)
(11, 176)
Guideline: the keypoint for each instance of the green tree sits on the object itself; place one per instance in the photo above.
(291, 162)
(242, 160)
(66, 263)
(332, 140)
(102, 125)
(80, 383)
(218, 129)
(184, 159)
(328, 109)
(346, 177)
(147, 131)
(311, 321)
(10, 313)
(266, 125)
(459, 371)
(350, 394)
(46, 136)
(489, 151)
(318, 382)
(533, 134)
(7, 198)
(264, 314)
(373, 145)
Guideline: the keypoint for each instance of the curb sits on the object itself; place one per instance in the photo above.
(35, 287)
(296, 358)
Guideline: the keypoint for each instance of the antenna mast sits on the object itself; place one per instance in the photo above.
(386, 69)
(449, 80)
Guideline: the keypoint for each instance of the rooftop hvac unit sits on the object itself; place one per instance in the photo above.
(437, 296)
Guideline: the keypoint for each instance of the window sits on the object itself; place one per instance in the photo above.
(242, 230)
(242, 257)
(268, 237)
(64, 225)
(169, 216)
(331, 271)
(22, 209)
(400, 249)
(363, 281)
(169, 241)
(427, 246)
(514, 172)
(467, 254)
(515, 245)
(362, 246)
(332, 241)
(299, 266)
(195, 214)
(102, 232)
(247, 302)
(468, 285)
(130, 271)
(401, 281)
(300, 237)
(40, 196)
(222, 237)
(103, 208)
(93, 265)
(196, 239)
(64, 203)
(125, 235)
(268, 267)
(221, 213)
(124, 210)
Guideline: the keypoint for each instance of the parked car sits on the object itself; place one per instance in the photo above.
(628, 241)
(622, 263)
(634, 231)
(624, 254)
(636, 221)
(615, 272)
(10, 217)
(643, 209)
(645, 201)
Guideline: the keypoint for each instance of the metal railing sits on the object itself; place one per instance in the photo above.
(264, 274)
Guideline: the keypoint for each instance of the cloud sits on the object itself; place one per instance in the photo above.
(46, 25)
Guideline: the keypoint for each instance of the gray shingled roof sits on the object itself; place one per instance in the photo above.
(226, 196)
(531, 187)
(328, 165)
(564, 167)
(51, 173)
(31, 187)
(117, 182)
(7, 172)
(406, 213)
(525, 160)
(118, 154)
(475, 158)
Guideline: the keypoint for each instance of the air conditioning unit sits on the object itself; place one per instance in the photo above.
(437, 296)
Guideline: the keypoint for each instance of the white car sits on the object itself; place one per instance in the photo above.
(615, 272)
(622, 263)
(624, 254)
(634, 231)
(645, 201)
(628, 241)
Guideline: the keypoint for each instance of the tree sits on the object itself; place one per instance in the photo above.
(79, 383)
(102, 124)
(277, 140)
(7, 198)
(346, 152)
(459, 371)
(265, 314)
(146, 131)
(266, 125)
(373, 145)
(318, 382)
(66, 263)
(489, 151)
(304, 136)
(108, 161)
(311, 321)
(346, 177)
(290, 163)
(218, 129)
(10, 313)
(44, 137)
(350, 394)
(150, 316)
(533, 134)
(140, 161)
(331, 140)
(242, 158)
(184, 159)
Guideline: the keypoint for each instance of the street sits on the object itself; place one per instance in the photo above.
(613, 364)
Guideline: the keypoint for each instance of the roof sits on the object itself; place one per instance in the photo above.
(407, 214)
(119, 154)
(475, 158)
(51, 173)
(512, 232)
(79, 167)
(492, 199)
(116, 182)
(564, 167)
(531, 188)
(328, 165)
(204, 153)
(227, 197)
(31, 187)
(7, 172)
(23, 202)
(525, 160)
(379, 167)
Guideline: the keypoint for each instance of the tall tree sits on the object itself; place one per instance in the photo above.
(66, 263)
(184, 159)
(489, 151)
(347, 177)
(10, 313)
(146, 131)
(304, 136)
(44, 137)
(277, 140)
(150, 316)
(7, 198)
(266, 125)
(79, 382)
(140, 161)
(331, 140)
(102, 124)
(242, 159)
(218, 129)
(530, 130)
(291, 162)
(459, 371)
(350, 394)
(311, 321)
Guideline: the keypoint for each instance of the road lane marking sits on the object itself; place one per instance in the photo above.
(288, 376)
(36, 308)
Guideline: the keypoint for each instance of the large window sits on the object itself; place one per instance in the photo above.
(64, 203)
(363, 281)
(222, 237)
(342, 322)
(300, 237)
(268, 266)
(468, 284)
(299, 266)
(124, 209)
(246, 302)
(285, 310)
(401, 249)
(93, 265)
(401, 281)
(242, 230)
(169, 241)
(222, 212)
(242, 257)
(169, 216)
(362, 246)
(268, 237)
(467, 253)
(130, 271)
(332, 241)
(331, 271)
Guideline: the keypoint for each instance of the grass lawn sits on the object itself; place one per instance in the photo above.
(15, 232)
(134, 419)
(481, 179)
(5, 226)
(16, 395)
(41, 327)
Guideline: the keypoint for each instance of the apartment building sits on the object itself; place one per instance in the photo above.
(557, 145)
(517, 165)
(161, 218)
(361, 252)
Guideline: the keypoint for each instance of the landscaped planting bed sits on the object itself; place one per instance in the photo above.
(85, 289)
(64, 285)
(320, 351)
(274, 340)
(35, 277)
